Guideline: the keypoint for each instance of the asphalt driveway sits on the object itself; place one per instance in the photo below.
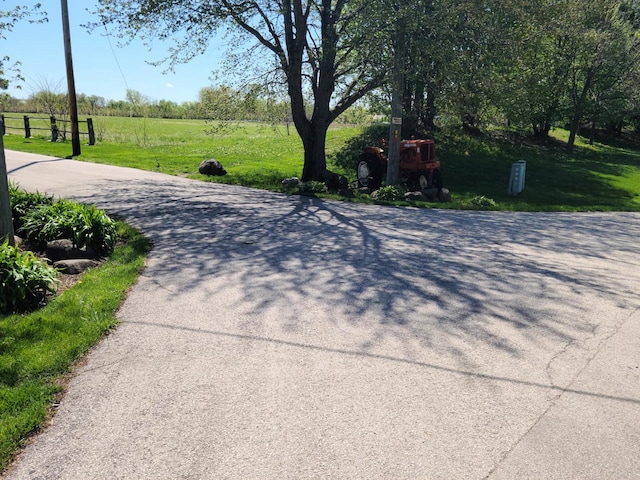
(276, 337)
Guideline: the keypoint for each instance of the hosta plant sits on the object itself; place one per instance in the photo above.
(25, 281)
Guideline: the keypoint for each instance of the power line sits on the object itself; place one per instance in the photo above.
(115, 57)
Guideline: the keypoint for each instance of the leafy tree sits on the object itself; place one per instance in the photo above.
(49, 98)
(530, 82)
(138, 103)
(328, 52)
(606, 53)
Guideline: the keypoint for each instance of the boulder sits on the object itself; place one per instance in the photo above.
(212, 167)
(415, 196)
(333, 181)
(291, 182)
(444, 195)
(430, 193)
(64, 249)
(75, 266)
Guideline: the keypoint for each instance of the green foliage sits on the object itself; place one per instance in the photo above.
(47, 222)
(25, 280)
(312, 187)
(94, 229)
(390, 193)
(85, 225)
(23, 202)
(483, 203)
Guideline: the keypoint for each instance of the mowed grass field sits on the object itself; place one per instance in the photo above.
(604, 176)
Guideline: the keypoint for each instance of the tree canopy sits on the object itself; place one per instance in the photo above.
(328, 53)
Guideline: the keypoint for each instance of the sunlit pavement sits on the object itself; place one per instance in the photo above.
(276, 336)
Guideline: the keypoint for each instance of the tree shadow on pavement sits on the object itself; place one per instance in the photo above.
(428, 285)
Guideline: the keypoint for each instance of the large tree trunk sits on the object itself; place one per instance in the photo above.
(315, 160)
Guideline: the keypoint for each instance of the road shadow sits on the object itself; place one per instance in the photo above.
(440, 278)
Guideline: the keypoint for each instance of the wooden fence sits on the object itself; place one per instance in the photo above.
(52, 125)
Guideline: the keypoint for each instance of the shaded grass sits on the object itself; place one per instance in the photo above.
(37, 349)
(603, 176)
(595, 177)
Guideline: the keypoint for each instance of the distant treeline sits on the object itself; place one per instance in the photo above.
(214, 103)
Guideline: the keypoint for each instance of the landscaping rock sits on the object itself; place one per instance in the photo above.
(333, 181)
(65, 249)
(212, 167)
(415, 196)
(444, 195)
(291, 182)
(430, 193)
(75, 266)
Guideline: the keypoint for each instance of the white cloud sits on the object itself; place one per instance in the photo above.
(169, 85)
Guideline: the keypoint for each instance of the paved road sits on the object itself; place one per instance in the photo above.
(276, 337)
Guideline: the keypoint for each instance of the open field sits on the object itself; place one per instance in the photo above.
(594, 177)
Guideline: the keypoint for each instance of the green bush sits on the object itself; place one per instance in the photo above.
(85, 225)
(312, 187)
(47, 222)
(25, 280)
(23, 201)
(483, 203)
(389, 193)
(94, 229)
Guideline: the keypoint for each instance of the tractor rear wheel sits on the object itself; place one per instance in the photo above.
(369, 171)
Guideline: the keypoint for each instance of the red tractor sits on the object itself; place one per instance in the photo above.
(418, 166)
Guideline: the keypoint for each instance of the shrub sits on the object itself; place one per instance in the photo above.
(47, 222)
(25, 280)
(94, 229)
(85, 225)
(312, 187)
(23, 201)
(390, 193)
(483, 203)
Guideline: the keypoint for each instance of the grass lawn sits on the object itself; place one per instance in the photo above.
(37, 349)
(603, 176)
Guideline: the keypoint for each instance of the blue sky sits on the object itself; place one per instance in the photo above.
(40, 49)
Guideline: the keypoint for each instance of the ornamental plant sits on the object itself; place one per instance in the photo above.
(25, 281)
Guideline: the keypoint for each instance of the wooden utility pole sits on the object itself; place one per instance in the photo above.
(6, 221)
(395, 132)
(71, 84)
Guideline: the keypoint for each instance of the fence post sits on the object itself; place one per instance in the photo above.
(92, 135)
(4, 129)
(27, 127)
(54, 129)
